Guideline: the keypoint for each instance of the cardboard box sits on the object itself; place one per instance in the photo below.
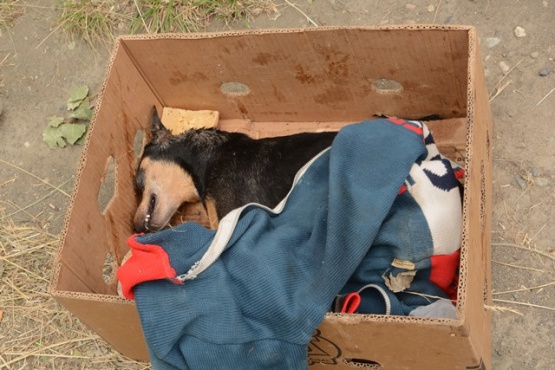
(272, 82)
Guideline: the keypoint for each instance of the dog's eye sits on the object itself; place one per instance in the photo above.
(140, 180)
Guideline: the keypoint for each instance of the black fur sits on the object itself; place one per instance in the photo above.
(232, 168)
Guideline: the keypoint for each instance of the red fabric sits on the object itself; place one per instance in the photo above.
(408, 126)
(444, 272)
(148, 262)
(351, 303)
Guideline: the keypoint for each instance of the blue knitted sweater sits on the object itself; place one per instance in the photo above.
(250, 295)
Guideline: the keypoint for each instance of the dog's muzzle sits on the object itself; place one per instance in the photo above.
(151, 205)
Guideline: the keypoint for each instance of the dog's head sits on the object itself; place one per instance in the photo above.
(162, 181)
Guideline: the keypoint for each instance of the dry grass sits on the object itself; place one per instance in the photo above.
(98, 22)
(161, 16)
(10, 10)
(35, 331)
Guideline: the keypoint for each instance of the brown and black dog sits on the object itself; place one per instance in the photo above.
(223, 169)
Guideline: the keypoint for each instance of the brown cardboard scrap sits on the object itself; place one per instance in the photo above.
(179, 120)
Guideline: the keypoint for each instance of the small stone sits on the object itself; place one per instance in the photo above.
(544, 72)
(545, 3)
(520, 32)
(410, 6)
(26, 144)
(535, 171)
(520, 182)
(541, 181)
(504, 67)
(535, 54)
(492, 42)
(71, 45)
(431, 8)
(512, 112)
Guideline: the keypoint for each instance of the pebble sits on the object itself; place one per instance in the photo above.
(520, 32)
(71, 45)
(535, 171)
(544, 72)
(492, 42)
(410, 6)
(431, 8)
(504, 66)
(541, 181)
(520, 182)
(27, 144)
(535, 54)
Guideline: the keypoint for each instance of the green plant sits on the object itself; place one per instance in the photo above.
(95, 21)
(162, 16)
(61, 131)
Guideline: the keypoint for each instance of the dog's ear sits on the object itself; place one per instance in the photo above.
(160, 134)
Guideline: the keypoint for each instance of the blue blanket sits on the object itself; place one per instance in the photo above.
(250, 295)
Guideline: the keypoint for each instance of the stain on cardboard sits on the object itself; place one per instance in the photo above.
(303, 76)
(263, 58)
(278, 95)
(338, 70)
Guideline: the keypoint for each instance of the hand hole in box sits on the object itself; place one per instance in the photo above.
(138, 143)
(386, 86)
(109, 268)
(234, 89)
(107, 185)
(362, 363)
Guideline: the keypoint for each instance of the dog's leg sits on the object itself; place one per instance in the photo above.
(213, 220)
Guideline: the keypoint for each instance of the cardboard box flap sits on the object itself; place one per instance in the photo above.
(306, 75)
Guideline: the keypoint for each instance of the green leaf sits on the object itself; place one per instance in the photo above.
(81, 140)
(83, 112)
(55, 121)
(53, 137)
(73, 131)
(77, 96)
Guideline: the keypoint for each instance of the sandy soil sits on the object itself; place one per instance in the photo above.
(41, 66)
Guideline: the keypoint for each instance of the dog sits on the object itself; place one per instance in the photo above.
(223, 170)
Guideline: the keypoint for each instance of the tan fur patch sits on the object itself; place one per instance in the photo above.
(170, 185)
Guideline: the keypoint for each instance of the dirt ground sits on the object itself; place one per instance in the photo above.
(40, 66)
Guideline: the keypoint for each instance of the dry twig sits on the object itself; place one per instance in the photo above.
(303, 13)
(524, 304)
(547, 255)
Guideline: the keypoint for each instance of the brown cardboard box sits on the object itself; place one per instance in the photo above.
(277, 82)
